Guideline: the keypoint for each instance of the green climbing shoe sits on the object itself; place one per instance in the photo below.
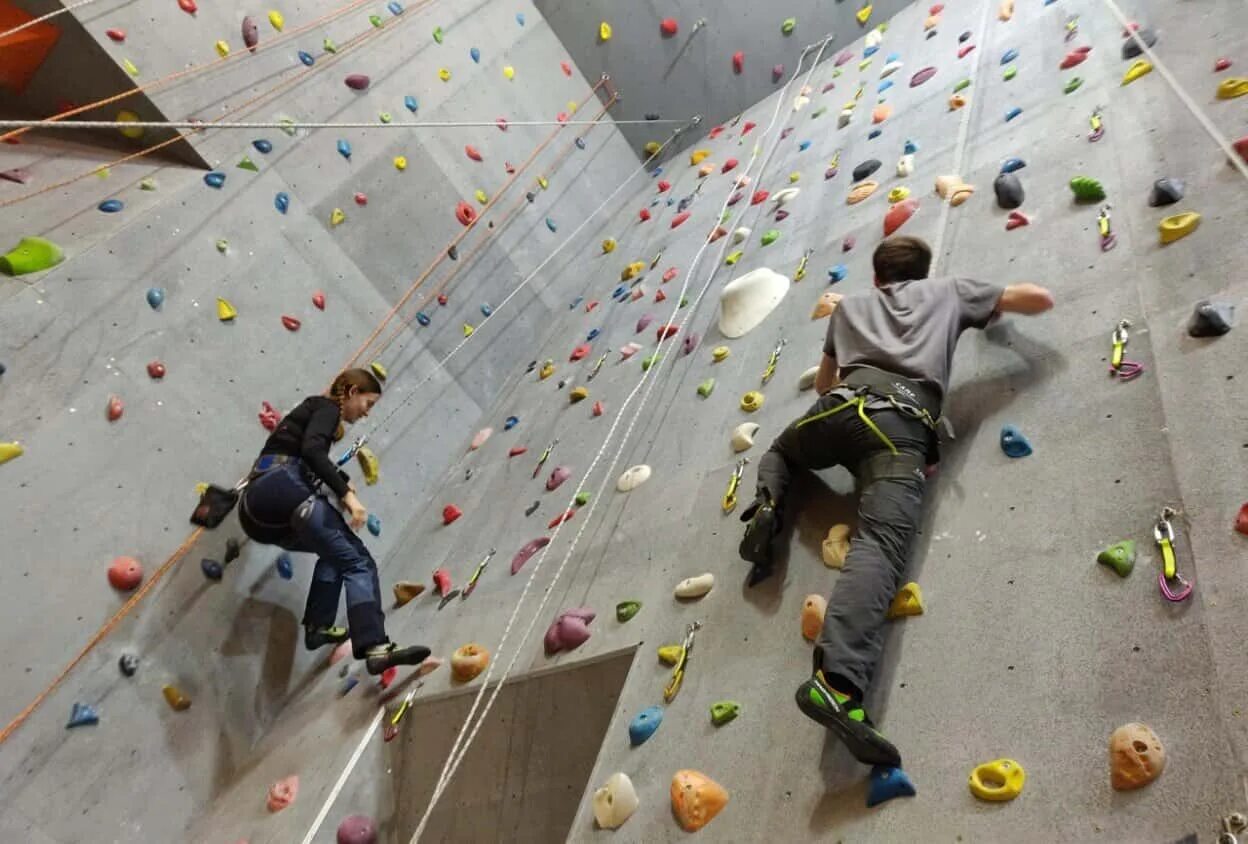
(31, 255)
(319, 637)
(821, 703)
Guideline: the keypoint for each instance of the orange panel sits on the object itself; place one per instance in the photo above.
(22, 53)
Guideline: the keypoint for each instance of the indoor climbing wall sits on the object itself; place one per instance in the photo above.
(1026, 649)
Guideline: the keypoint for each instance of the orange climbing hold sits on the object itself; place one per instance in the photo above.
(680, 218)
(24, 52)
(696, 799)
(899, 214)
(282, 793)
(472, 152)
(125, 573)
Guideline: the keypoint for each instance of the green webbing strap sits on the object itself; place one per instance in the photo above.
(861, 401)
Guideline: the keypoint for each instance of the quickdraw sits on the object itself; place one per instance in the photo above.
(1108, 239)
(678, 672)
(1098, 127)
(597, 366)
(771, 362)
(1072, 27)
(392, 727)
(476, 575)
(801, 265)
(350, 453)
(1119, 366)
(730, 497)
(1163, 532)
(542, 460)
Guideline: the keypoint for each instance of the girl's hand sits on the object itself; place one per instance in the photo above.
(355, 510)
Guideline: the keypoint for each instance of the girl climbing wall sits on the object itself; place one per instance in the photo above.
(284, 504)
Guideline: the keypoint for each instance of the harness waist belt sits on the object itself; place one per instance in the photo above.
(265, 462)
(895, 389)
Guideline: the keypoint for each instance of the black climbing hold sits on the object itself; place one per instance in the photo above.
(1009, 191)
(532, 508)
(530, 196)
(211, 569)
(532, 366)
(3, 369)
(453, 252)
(1166, 191)
(1211, 319)
(964, 37)
(1131, 47)
(931, 33)
(652, 116)
(232, 550)
(128, 664)
(865, 169)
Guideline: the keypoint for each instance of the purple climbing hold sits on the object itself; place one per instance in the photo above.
(211, 569)
(358, 82)
(644, 321)
(777, 72)
(18, 174)
(357, 829)
(214, 179)
(922, 76)
(557, 477)
(82, 715)
(689, 343)
(251, 33)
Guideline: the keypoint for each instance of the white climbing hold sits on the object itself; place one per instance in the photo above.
(695, 587)
(905, 166)
(740, 235)
(633, 478)
(807, 379)
(873, 38)
(743, 436)
(615, 802)
(780, 197)
(747, 300)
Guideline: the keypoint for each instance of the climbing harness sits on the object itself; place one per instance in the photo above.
(678, 672)
(730, 497)
(545, 454)
(1119, 366)
(771, 362)
(597, 366)
(476, 575)
(801, 265)
(1108, 239)
(1098, 127)
(1163, 532)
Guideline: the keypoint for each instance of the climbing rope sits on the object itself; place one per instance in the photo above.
(278, 124)
(457, 752)
(36, 21)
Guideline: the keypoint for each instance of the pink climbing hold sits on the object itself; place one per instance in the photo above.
(589, 306)
(269, 417)
(759, 197)
(341, 652)
(716, 132)
(1015, 220)
(479, 438)
(965, 50)
(526, 551)
(936, 9)
(188, 6)
(282, 793)
(516, 451)
(566, 67)
(669, 274)
(562, 117)
(117, 35)
(1075, 57)
(557, 477)
(899, 214)
(745, 130)
(597, 409)
(580, 352)
(680, 218)
(781, 214)
(357, 829)
(668, 27)
(738, 61)
(450, 513)
(660, 296)
(1221, 64)
(689, 342)
(115, 408)
(644, 214)
(569, 631)
(357, 82)
(730, 164)
(472, 152)
(318, 300)
(777, 71)
(827, 87)
(501, 123)
(290, 323)
(642, 322)
(922, 76)
(125, 573)
(843, 58)
(388, 677)
(251, 34)
(664, 185)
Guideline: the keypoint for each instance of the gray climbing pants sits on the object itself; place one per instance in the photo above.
(889, 511)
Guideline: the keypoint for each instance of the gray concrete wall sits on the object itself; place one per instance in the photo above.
(1028, 649)
(691, 72)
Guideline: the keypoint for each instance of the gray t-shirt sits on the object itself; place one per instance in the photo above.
(909, 328)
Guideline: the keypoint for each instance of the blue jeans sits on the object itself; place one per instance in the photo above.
(273, 511)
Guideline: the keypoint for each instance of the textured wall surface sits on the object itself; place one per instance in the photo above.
(1028, 649)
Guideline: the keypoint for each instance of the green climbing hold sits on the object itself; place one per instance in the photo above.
(723, 711)
(646, 363)
(248, 164)
(1120, 557)
(147, 184)
(1087, 189)
(788, 26)
(962, 85)
(288, 126)
(31, 255)
(385, 117)
(1072, 85)
(819, 112)
(375, 20)
(330, 47)
(582, 498)
(437, 34)
(1010, 73)
(770, 236)
(684, 301)
(705, 388)
(223, 246)
(625, 610)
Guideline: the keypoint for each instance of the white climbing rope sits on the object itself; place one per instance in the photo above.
(457, 752)
(346, 773)
(47, 17)
(287, 124)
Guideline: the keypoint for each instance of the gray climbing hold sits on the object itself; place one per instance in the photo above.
(865, 169)
(1009, 191)
(1013, 443)
(1131, 48)
(1211, 319)
(1166, 191)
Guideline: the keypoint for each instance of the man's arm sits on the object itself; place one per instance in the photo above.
(1027, 299)
(828, 376)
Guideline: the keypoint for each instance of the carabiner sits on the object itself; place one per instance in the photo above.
(678, 672)
(1108, 239)
(801, 265)
(353, 450)
(392, 728)
(1119, 366)
(1163, 533)
(1098, 127)
(730, 497)
(771, 363)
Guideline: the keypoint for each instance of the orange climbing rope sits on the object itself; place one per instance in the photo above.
(441, 256)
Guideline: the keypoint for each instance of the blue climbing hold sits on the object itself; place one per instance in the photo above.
(1012, 113)
(155, 297)
(874, 133)
(576, 302)
(476, 55)
(82, 715)
(215, 179)
(422, 317)
(1009, 56)
(868, 52)
(306, 58)
(580, 143)
(211, 569)
(884, 86)
(550, 224)
(685, 202)
(622, 290)
(486, 310)
(658, 171)
(887, 783)
(892, 57)
(282, 201)
(344, 149)
(644, 724)
(520, 18)
(512, 421)
(670, 202)
(262, 145)
(837, 273)
(395, 8)
(910, 148)
(1013, 443)
(589, 338)
(410, 103)
(374, 524)
(1012, 164)
(348, 684)
(803, 146)
(285, 568)
(111, 206)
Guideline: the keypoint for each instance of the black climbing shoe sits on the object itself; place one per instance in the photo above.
(381, 657)
(319, 637)
(756, 545)
(821, 703)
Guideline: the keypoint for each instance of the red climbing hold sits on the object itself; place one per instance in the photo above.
(759, 197)
(251, 33)
(964, 50)
(118, 35)
(1241, 520)
(188, 6)
(719, 232)
(269, 417)
(680, 218)
(597, 410)
(516, 451)
(660, 296)
(828, 87)
(644, 214)
(357, 82)
(669, 27)
(745, 130)
(1015, 220)
(1241, 147)
(669, 274)
(388, 676)
(589, 307)
(561, 518)
(580, 352)
(665, 331)
(898, 214)
(115, 408)
(465, 213)
(777, 71)
(526, 551)
(1221, 65)
(738, 61)
(442, 300)
(510, 170)
(715, 133)
(730, 164)
(318, 299)
(125, 573)
(472, 152)
(450, 513)
(936, 9)
(664, 186)
(562, 117)
(291, 323)
(1075, 57)
(566, 67)
(156, 370)
(442, 582)
(361, 199)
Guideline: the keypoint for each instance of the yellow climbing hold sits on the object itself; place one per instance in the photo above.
(276, 20)
(543, 182)
(998, 780)
(10, 451)
(1006, 10)
(794, 176)
(671, 654)
(444, 74)
(1233, 87)
(1178, 226)
(604, 31)
(719, 353)
(572, 106)
(898, 193)
(223, 49)
(864, 64)
(133, 132)
(337, 217)
(907, 601)
(608, 245)
(509, 72)
(863, 14)
(1136, 70)
(400, 162)
(468, 329)
(698, 156)
(369, 464)
(751, 401)
(481, 196)
(578, 394)
(547, 370)
(632, 270)
(130, 67)
(385, 117)
(652, 148)
(225, 311)
(734, 257)
(379, 370)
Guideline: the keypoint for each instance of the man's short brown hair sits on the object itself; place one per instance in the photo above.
(901, 258)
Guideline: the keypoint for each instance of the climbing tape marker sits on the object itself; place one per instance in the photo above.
(775, 357)
(1119, 366)
(1163, 532)
(678, 673)
(730, 497)
(1108, 239)
(476, 575)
